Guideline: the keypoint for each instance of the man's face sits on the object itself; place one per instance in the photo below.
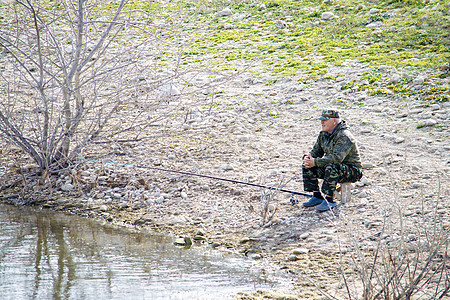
(328, 125)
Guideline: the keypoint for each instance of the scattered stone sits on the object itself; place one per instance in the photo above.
(299, 251)
(406, 195)
(399, 140)
(415, 111)
(61, 201)
(292, 257)
(328, 15)
(374, 24)
(402, 115)
(418, 80)
(342, 250)
(67, 187)
(227, 26)
(103, 208)
(362, 194)
(373, 11)
(228, 167)
(381, 171)
(167, 91)
(368, 165)
(244, 240)
(388, 111)
(179, 242)
(305, 235)
(435, 107)
(85, 173)
(176, 220)
(187, 241)
(280, 24)
(243, 139)
(311, 240)
(215, 245)
(396, 78)
(364, 181)
(411, 237)
(364, 202)
(417, 185)
(199, 238)
(255, 256)
(224, 13)
(427, 123)
(166, 195)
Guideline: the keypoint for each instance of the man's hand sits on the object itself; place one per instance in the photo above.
(308, 161)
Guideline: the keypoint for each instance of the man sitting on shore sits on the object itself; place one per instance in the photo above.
(333, 158)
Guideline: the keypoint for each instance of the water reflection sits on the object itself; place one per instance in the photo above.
(46, 255)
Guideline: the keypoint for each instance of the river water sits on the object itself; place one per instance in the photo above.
(47, 255)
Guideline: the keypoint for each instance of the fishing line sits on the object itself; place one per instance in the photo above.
(200, 175)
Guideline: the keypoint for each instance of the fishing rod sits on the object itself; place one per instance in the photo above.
(293, 201)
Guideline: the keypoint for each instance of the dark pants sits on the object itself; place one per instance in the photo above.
(331, 174)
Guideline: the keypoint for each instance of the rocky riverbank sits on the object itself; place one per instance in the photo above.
(258, 133)
(255, 128)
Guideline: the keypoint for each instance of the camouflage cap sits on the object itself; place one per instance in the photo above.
(327, 114)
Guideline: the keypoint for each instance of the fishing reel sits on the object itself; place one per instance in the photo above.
(293, 200)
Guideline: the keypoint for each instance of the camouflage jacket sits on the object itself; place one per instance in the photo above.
(339, 147)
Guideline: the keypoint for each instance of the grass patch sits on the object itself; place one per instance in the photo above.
(347, 37)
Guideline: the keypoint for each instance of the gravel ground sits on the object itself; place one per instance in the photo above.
(257, 132)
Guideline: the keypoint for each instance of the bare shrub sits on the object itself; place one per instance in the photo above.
(407, 258)
(268, 210)
(267, 196)
(78, 72)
